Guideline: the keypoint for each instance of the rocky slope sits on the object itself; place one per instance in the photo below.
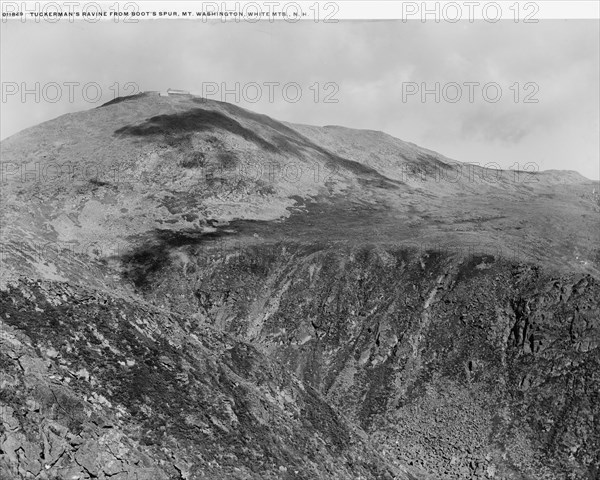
(193, 290)
(94, 387)
(471, 367)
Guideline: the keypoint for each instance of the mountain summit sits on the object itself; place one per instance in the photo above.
(138, 168)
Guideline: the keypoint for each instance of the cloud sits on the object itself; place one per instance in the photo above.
(370, 61)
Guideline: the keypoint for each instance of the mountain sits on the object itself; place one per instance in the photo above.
(193, 290)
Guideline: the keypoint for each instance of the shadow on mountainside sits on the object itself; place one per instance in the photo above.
(290, 140)
(284, 141)
(194, 120)
(340, 219)
(155, 253)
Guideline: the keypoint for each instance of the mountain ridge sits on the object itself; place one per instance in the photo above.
(212, 293)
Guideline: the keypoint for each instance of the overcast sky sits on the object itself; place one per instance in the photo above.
(372, 63)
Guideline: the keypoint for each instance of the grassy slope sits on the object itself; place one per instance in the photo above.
(120, 178)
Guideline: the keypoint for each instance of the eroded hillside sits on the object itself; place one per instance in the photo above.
(95, 387)
(461, 366)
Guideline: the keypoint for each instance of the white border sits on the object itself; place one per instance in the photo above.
(442, 11)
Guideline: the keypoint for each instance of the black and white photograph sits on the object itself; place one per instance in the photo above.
(305, 240)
